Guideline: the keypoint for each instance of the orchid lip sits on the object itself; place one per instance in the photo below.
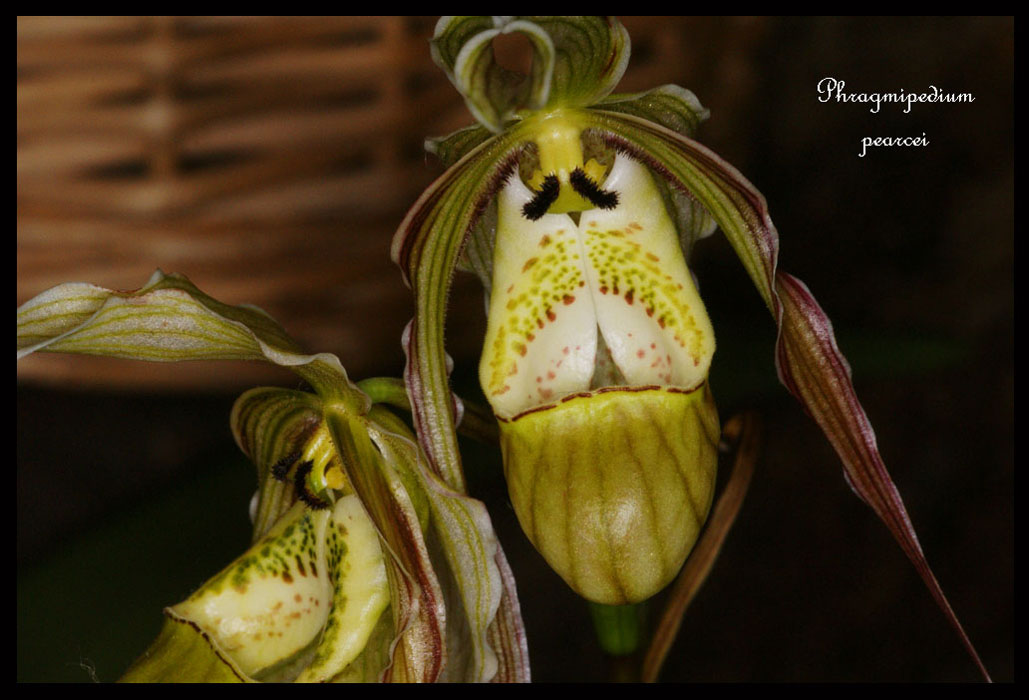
(603, 301)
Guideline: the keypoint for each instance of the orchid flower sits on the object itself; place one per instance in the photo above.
(365, 565)
(578, 209)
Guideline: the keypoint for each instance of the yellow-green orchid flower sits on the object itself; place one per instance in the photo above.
(365, 565)
(578, 208)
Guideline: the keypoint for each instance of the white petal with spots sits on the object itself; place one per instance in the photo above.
(541, 339)
(647, 305)
(555, 282)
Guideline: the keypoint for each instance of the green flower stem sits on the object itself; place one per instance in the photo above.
(619, 627)
(388, 390)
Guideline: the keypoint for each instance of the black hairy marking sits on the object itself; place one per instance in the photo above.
(300, 487)
(538, 205)
(281, 468)
(581, 183)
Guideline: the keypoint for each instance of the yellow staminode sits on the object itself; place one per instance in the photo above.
(327, 472)
(559, 143)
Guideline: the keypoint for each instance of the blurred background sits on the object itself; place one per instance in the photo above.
(271, 159)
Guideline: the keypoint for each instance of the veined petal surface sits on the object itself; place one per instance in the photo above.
(169, 320)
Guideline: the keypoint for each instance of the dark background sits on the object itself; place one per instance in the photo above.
(128, 501)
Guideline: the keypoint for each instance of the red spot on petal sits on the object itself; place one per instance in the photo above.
(550, 375)
(529, 263)
(551, 315)
(628, 296)
(539, 322)
(650, 312)
(640, 354)
(545, 241)
(565, 350)
(567, 299)
(653, 346)
(509, 289)
(603, 290)
(661, 321)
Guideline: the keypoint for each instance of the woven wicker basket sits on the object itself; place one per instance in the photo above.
(269, 159)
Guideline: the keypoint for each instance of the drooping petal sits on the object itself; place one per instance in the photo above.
(169, 320)
(810, 365)
(461, 532)
(485, 634)
(507, 632)
(426, 247)
(419, 615)
(813, 369)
